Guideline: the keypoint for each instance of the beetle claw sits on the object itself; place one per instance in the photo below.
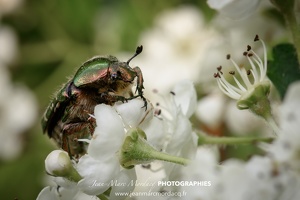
(145, 102)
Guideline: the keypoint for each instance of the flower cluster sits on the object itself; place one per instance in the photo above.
(120, 142)
(273, 176)
(131, 143)
(253, 90)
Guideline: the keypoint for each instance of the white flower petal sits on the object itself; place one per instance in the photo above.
(57, 162)
(217, 4)
(185, 97)
(155, 132)
(234, 9)
(54, 193)
(290, 112)
(203, 168)
(210, 109)
(133, 112)
(108, 135)
(126, 178)
(97, 174)
(48, 193)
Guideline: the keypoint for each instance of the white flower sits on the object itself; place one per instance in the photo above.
(286, 148)
(100, 168)
(261, 178)
(258, 71)
(231, 34)
(202, 169)
(173, 114)
(101, 164)
(235, 9)
(171, 130)
(57, 161)
(210, 109)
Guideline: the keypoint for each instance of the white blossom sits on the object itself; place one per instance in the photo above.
(100, 168)
(240, 90)
(57, 162)
(171, 131)
(286, 147)
(235, 9)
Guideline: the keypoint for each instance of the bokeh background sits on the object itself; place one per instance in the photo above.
(44, 41)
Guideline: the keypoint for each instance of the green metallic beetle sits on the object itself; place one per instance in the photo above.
(102, 79)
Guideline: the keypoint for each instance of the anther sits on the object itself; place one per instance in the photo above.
(219, 68)
(228, 56)
(248, 72)
(217, 75)
(245, 53)
(250, 54)
(248, 47)
(256, 38)
(173, 93)
(232, 72)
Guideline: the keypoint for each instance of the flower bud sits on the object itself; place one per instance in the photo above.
(58, 163)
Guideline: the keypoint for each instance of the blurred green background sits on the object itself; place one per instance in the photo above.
(54, 38)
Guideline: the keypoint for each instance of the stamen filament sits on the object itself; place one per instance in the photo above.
(227, 90)
(260, 65)
(239, 91)
(254, 70)
(239, 84)
(265, 57)
(245, 78)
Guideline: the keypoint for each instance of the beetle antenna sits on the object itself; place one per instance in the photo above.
(138, 50)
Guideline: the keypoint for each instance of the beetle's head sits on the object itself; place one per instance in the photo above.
(122, 70)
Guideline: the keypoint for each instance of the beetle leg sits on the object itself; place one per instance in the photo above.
(73, 131)
(140, 81)
(140, 85)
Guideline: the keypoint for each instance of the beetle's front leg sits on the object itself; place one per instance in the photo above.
(111, 98)
(140, 85)
(140, 81)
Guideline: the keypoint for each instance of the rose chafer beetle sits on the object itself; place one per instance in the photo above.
(102, 79)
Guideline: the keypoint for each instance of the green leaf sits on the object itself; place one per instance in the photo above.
(284, 68)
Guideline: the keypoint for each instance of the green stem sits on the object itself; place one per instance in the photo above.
(205, 139)
(273, 125)
(73, 175)
(157, 155)
(102, 197)
(135, 150)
